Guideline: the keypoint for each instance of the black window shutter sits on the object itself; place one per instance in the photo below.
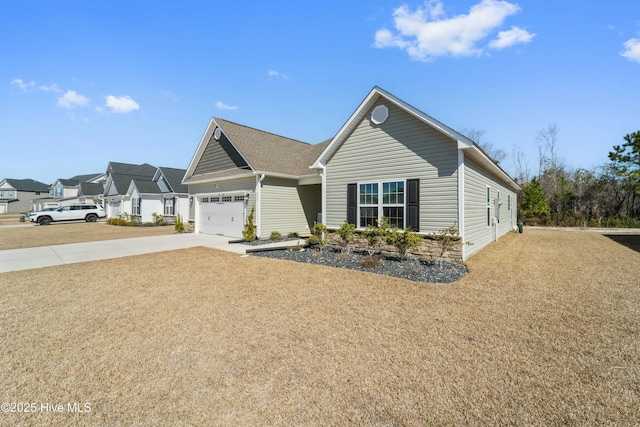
(352, 203)
(413, 204)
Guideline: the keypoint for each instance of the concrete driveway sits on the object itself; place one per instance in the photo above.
(46, 256)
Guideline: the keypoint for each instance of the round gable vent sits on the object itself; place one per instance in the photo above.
(217, 133)
(379, 114)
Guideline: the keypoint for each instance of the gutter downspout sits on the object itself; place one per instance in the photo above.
(461, 203)
(323, 191)
(258, 204)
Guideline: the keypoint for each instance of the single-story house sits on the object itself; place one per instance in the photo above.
(164, 195)
(118, 180)
(21, 195)
(389, 159)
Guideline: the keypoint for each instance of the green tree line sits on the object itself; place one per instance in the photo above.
(606, 196)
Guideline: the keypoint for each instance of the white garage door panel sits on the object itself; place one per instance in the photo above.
(225, 218)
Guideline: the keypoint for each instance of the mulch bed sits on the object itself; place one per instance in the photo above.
(412, 268)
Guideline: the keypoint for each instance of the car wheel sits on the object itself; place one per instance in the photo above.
(91, 218)
(44, 220)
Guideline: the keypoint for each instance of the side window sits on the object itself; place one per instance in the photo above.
(488, 207)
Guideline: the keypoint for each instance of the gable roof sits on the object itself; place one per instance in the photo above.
(27, 184)
(121, 175)
(90, 189)
(144, 187)
(86, 178)
(260, 151)
(174, 177)
(464, 143)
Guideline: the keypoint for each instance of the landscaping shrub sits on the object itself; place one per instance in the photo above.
(158, 219)
(275, 235)
(178, 225)
(371, 261)
(345, 232)
(404, 240)
(446, 238)
(318, 235)
(249, 232)
(376, 235)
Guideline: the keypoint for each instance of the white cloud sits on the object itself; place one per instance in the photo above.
(274, 74)
(511, 37)
(427, 33)
(51, 88)
(222, 106)
(122, 104)
(632, 50)
(72, 99)
(22, 84)
(170, 95)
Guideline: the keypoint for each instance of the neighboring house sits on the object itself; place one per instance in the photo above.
(164, 195)
(389, 159)
(117, 182)
(21, 195)
(237, 168)
(81, 189)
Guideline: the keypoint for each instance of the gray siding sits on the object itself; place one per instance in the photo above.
(287, 207)
(403, 147)
(219, 156)
(26, 200)
(475, 208)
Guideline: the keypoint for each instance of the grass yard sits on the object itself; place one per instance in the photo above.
(60, 233)
(544, 330)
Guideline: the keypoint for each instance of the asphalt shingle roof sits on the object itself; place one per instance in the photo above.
(27, 184)
(174, 176)
(147, 187)
(272, 153)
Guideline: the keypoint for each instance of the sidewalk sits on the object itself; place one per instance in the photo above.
(46, 256)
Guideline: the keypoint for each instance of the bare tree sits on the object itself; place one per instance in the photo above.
(497, 154)
(521, 163)
(547, 140)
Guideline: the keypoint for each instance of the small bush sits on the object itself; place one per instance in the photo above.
(318, 232)
(446, 238)
(314, 240)
(296, 248)
(249, 232)
(148, 224)
(376, 235)
(158, 219)
(404, 240)
(178, 225)
(371, 261)
(292, 235)
(275, 235)
(345, 232)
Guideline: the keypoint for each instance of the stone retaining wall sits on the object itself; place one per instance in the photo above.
(430, 247)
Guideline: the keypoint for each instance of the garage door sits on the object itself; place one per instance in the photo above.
(221, 217)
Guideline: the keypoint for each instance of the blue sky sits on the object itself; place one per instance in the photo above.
(83, 83)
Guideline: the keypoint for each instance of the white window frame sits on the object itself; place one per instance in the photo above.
(135, 206)
(380, 205)
(172, 207)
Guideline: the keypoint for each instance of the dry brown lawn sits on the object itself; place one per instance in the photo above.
(32, 235)
(544, 330)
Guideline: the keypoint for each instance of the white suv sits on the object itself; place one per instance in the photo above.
(89, 213)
